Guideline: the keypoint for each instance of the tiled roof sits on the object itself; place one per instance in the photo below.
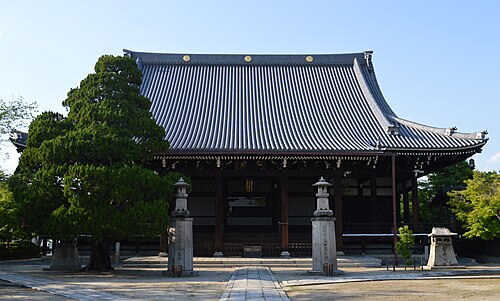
(261, 104)
(19, 140)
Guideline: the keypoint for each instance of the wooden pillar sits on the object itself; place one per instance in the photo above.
(398, 206)
(219, 211)
(284, 213)
(373, 201)
(394, 208)
(339, 230)
(360, 187)
(406, 205)
(44, 246)
(415, 204)
(163, 243)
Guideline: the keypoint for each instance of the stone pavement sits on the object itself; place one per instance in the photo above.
(253, 283)
(215, 282)
(57, 288)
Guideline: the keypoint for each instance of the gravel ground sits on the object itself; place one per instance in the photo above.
(148, 284)
(441, 289)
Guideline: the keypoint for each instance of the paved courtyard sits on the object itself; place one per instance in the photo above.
(25, 280)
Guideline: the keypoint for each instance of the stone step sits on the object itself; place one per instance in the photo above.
(343, 261)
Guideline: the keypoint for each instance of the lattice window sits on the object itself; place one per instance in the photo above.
(301, 185)
(201, 206)
(203, 185)
(299, 220)
(250, 221)
(204, 221)
(301, 206)
(262, 185)
(257, 185)
(236, 185)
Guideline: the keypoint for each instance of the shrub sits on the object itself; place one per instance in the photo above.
(405, 243)
(19, 250)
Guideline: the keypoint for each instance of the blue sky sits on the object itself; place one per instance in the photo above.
(436, 61)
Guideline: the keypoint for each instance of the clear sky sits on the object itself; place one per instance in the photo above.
(436, 61)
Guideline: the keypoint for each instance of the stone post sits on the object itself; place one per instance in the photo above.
(117, 252)
(442, 255)
(324, 253)
(180, 249)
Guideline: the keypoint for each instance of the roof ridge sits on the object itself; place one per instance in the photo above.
(247, 59)
(450, 131)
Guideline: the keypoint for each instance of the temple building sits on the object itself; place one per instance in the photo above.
(254, 132)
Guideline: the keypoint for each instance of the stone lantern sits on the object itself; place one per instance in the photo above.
(442, 255)
(322, 207)
(181, 199)
(180, 236)
(324, 251)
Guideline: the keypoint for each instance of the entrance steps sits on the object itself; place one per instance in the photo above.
(227, 262)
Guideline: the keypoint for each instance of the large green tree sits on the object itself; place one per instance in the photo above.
(478, 205)
(87, 173)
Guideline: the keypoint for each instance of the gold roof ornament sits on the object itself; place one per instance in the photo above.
(248, 59)
(309, 59)
(186, 58)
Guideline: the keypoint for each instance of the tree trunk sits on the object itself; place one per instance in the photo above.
(99, 256)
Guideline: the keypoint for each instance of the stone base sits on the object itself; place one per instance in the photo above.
(180, 245)
(321, 273)
(324, 251)
(218, 254)
(62, 270)
(444, 267)
(285, 254)
(65, 257)
(183, 274)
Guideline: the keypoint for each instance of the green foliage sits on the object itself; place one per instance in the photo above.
(478, 206)
(19, 250)
(405, 243)
(111, 119)
(86, 174)
(115, 201)
(7, 224)
(451, 177)
(37, 192)
(3, 176)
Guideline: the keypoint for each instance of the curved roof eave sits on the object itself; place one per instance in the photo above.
(372, 102)
(451, 131)
(464, 149)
